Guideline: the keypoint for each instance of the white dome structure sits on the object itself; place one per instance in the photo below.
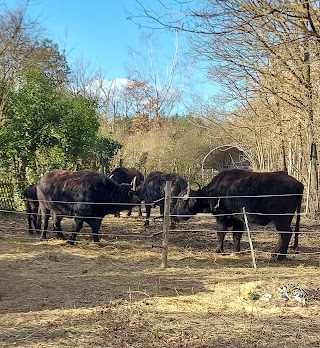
(226, 157)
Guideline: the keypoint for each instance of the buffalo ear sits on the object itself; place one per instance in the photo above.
(186, 196)
(134, 183)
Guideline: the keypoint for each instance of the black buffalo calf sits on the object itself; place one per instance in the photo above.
(31, 204)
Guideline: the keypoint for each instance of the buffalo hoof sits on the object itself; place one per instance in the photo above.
(280, 257)
(219, 251)
(71, 242)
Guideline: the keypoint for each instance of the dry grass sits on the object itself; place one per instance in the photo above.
(116, 294)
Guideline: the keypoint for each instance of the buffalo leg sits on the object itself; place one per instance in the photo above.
(36, 218)
(285, 232)
(45, 221)
(29, 216)
(296, 241)
(77, 225)
(32, 214)
(57, 226)
(148, 213)
(281, 248)
(221, 233)
(129, 212)
(161, 209)
(172, 224)
(237, 235)
(220, 236)
(236, 241)
(30, 221)
(38, 221)
(95, 226)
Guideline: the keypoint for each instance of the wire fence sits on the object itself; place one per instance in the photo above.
(7, 195)
(9, 229)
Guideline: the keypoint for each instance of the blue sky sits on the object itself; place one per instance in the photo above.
(97, 31)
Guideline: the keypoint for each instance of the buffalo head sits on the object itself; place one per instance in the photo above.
(189, 202)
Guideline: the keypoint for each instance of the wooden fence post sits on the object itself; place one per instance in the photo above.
(166, 224)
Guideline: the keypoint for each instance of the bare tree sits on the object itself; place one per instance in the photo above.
(266, 53)
(18, 37)
(158, 87)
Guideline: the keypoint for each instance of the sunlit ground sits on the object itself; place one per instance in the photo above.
(116, 294)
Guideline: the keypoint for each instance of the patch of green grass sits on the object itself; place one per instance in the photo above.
(69, 332)
(9, 324)
(17, 333)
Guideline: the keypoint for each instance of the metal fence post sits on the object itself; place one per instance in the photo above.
(166, 224)
(249, 237)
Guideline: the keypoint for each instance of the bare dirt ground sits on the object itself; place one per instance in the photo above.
(115, 294)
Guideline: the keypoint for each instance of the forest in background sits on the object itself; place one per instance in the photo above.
(265, 56)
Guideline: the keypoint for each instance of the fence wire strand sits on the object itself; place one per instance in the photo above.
(200, 217)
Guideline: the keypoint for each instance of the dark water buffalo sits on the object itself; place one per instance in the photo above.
(266, 197)
(85, 195)
(123, 175)
(31, 204)
(152, 190)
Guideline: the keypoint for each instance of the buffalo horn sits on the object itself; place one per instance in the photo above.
(133, 183)
(186, 196)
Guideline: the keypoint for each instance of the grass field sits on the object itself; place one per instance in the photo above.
(115, 294)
